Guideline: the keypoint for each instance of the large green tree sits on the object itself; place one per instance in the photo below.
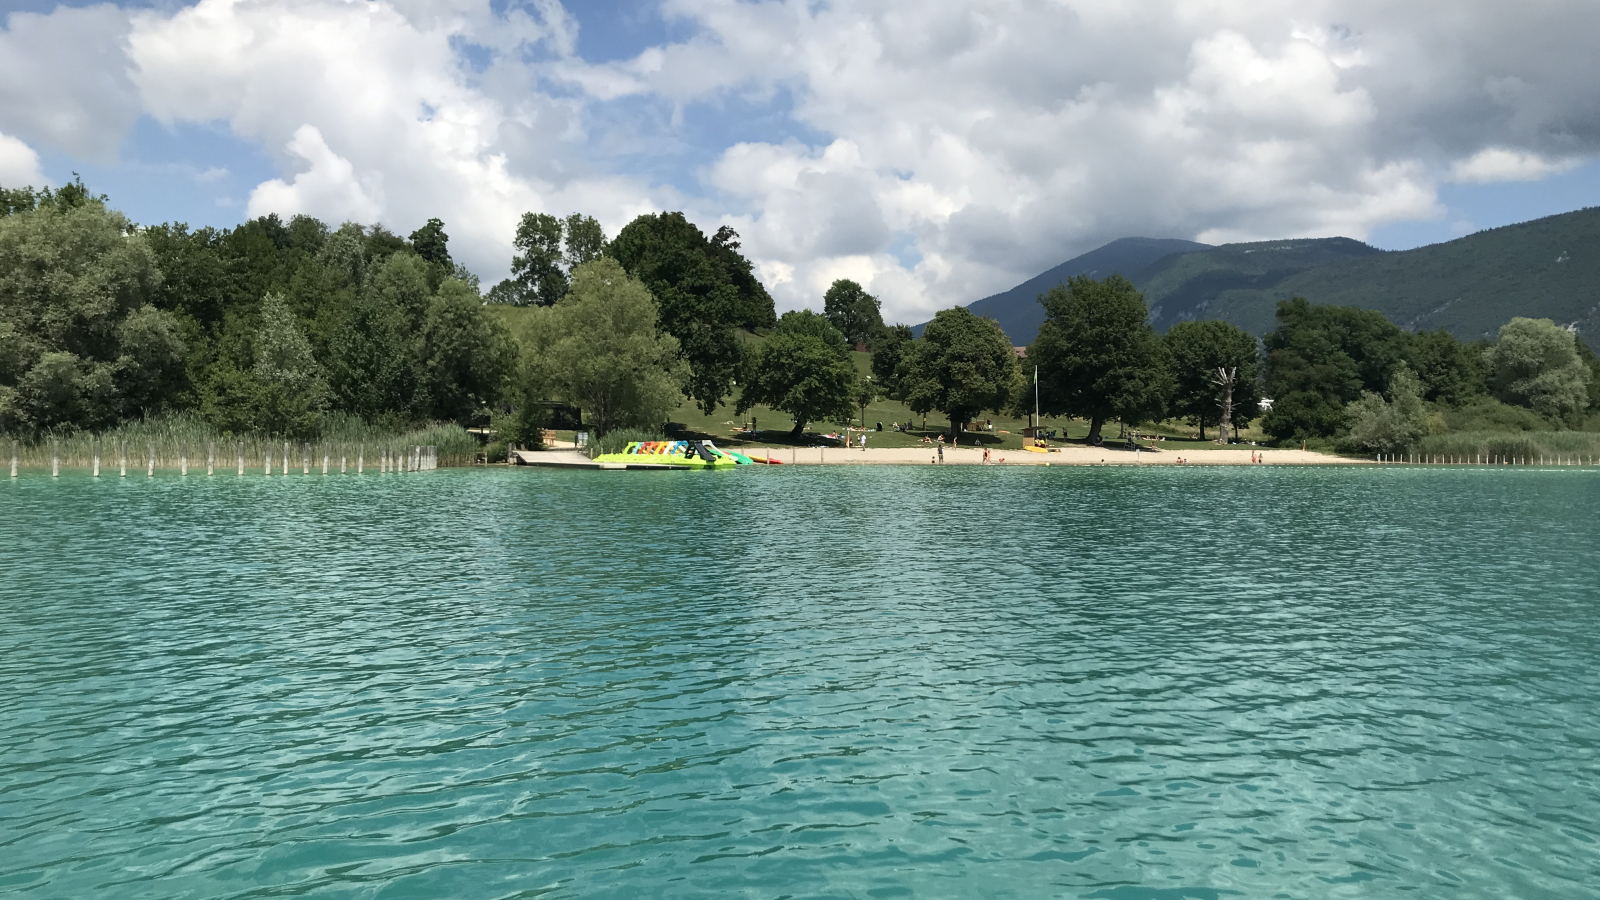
(371, 361)
(466, 354)
(1196, 350)
(292, 389)
(888, 346)
(81, 343)
(962, 365)
(599, 349)
(705, 291)
(1097, 355)
(856, 313)
(1320, 358)
(537, 277)
(802, 369)
(548, 249)
(432, 244)
(1447, 370)
(1535, 363)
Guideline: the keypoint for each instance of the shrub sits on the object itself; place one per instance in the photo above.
(618, 440)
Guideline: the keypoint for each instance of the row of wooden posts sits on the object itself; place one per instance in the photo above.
(1479, 459)
(405, 459)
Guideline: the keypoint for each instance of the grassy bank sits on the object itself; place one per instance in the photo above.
(171, 438)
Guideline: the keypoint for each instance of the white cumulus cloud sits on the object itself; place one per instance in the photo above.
(1502, 164)
(934, 152)
(19, 164)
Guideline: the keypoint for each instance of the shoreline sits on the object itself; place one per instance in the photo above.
(973, 456)
(1065, 456)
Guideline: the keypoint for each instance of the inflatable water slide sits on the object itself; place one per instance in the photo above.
(678, 455)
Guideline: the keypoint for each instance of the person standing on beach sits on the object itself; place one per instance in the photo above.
(941, 451)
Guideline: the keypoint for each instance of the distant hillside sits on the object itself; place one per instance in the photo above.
(1018, 310)
(1547, 268)
(1189, 285)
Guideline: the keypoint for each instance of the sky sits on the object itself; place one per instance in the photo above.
(934, 152)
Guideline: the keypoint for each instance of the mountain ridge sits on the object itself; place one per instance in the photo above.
(1543, 268)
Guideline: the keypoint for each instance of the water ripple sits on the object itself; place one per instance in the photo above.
(809, 682)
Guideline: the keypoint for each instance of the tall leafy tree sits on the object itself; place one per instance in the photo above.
(1447, 370)
(1535, 363)
(802, 369)
(888, 347)
(1097, 355)
(1196, 351)
(754, 307)
(702, 303)
(583, 239)
(432, 244)
(600, 350)
(370, 361)
(401, 283)
(856, 313)
(291, 389)
(536, 272)
(466, 355)
(72, 275)
(962, 366)
(1320, 358)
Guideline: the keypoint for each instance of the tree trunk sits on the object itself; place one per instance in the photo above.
(1224, 380)
(1095, 424)
(799, 428)
(1202, 429)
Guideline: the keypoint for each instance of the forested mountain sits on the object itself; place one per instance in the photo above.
(1018, 310)
(1547, 268)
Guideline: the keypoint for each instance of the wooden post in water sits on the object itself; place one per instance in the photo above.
(285, 459)
(96, 450)
(55, 458)
(13, 459)
(305, 459)
(150, 469)
(324, 460)
(211, 457)
(361, 458)
(266, 466)
(240, 449)
(122, 458)
(183, 459)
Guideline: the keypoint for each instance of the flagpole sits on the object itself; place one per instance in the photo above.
(1035, 402)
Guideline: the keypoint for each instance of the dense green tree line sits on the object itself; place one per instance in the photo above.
(269, 325)
(263, 327)
(1350, 374)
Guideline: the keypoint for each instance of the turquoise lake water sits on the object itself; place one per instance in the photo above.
(803, 682)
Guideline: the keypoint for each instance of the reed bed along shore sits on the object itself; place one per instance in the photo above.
(1514, 445)
(178, 441)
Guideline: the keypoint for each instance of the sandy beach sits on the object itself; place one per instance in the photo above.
(1065, 456)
